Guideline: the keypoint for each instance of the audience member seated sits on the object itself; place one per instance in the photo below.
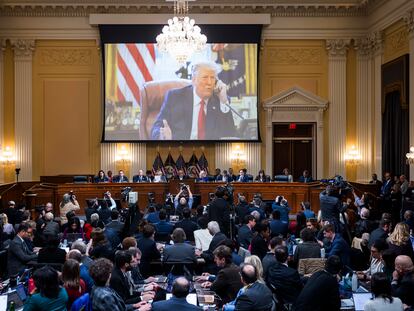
(321, 291)
(101, 177)
(50, 226)
(187, 225)
(277, 226)
(269, 259)
(255, 296)
(114, 229)
(403, 280)
(242, 176)
(128, 242)
(305, 177)
(262, 177)
(227, 282)
(364, 224)
(180, 290)
(284, 281)
(141, 177)
(255, 261)
(383, 300)
(103, 297)
(163, 228)
(51, 253)
(19, 253)
(99, 246)
(148, 248)
(376, 264)
(202, 236)
(281, 205)
(245, 233)
(179, 251)
(75, 254)
(242, 209)
(120, 177)
(381, 233)
(72, 282)
(135, 274)
(399, 241)
(68, 204)
(48, 294)
(8, 230)
(339, 246)
(74, 226)
(309, 248)
(259, 242)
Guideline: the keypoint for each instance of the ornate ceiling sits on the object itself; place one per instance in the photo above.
(283, 8)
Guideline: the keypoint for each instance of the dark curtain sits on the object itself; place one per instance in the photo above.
(395, 132)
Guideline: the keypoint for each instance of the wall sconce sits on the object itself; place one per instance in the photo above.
(122, 155)
(353, 157)
(238, 156)
(7, 156)
(410, 156)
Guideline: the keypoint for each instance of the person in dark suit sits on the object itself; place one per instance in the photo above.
(242, 176)
(242, 209)
(197, 111)
(180, 290)
(306, 177)
(148, 248)
(403, 280)
(331, 207)
(164, 228)
(224, 177)
(321, 292)
(114, 229)
(101, 177)
(51, 253)
(179, 251)
(140, 177)
(187, 224)
(245, 233)
(219, 210)
(120, 177)
(283, 280)
(262, 177)
(309, 248)
(181, 176)
(339, 246)
(255, 296)
(218, 238)
(259, 242)
(19, 254)
(381, 233)
(278, 226)
(386, 186)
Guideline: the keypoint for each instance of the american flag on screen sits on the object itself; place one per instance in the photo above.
(135, 65)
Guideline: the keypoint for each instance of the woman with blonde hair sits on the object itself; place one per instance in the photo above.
(255, 261)
(8, 229)
(399, 241)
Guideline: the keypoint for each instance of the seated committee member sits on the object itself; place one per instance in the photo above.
(197, 111)
(141, 177)
(224, 177)
(101, 177)
(242, 176)
(120, 177)
(159, 177)
(262, 177)
(181, 175)
(203, 177)
(306, 177)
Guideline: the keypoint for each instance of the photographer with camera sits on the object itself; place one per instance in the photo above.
(68, 204)
(331, 207)
(181, 201)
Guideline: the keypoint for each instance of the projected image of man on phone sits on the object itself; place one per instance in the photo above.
(200, 111)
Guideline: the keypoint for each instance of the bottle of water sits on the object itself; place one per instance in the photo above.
(354, 282)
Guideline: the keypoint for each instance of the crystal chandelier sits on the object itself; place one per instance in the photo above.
(410, 156)
(181, 38)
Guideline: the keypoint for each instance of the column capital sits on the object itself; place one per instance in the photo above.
(2, 48)
(409, 21)
(337, 47)
(23, 48)
(369, 45)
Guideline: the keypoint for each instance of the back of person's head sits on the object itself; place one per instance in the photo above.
(388, 257)
(213, 227)
(385, 222)
(22, 227)
(163, 214)
(276, 215)
(223, 251)
(219, 192)
(97, 236)
(381, 286)
(380, 245)
(70, 273)
(178, 235)
(307, 235)
(114, 214)
(46, 280)
(181, 287)
(52, 241)
(100, 271)
(364, 213)
(69, 215)
(148, 231)
(122, 258)
(408, 214)
(281, 254)
(80, 246)
(49, 216)
(257, 263)
(306, 205)
(277, 240)
(75, 255)
(203, 222)
(242, 199)
(186, 213)
(128, 242)
(248, 273)
(94, 217)
(400, 235)
(333, 264)
(262, 227)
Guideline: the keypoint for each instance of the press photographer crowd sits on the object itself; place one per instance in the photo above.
(354, 253)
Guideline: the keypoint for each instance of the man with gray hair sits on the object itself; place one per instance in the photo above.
(198, 111)
(218, 238)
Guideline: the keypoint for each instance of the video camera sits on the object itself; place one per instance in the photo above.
(125, 193)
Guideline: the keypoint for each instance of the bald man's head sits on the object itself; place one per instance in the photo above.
(403, 264)
(74, 254)
(181, 287)
(248, 274)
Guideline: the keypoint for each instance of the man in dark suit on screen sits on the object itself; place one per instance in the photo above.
(197, 111)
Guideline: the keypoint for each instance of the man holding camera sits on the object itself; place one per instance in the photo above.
(180, 201)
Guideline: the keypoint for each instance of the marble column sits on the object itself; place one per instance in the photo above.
(223, 155)
(138, 157)
(409, 19)
(253, 158)
(337, 53)
(2, 146)
(108, 157)
(23, 54)
(377, 63)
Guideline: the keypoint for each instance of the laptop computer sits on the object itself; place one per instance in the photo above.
(191, 298)
(360, 299)
(72, 237)
(17, 295)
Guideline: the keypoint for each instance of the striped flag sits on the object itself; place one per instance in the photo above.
(170, 167)
(192, 167)
(158, 165)
(135, 65)
(180, 164)
(203, 163)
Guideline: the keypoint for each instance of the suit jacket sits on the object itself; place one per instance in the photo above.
(377, 234)
(174, 303)
(256, 297)
(302, 179)
(259, 246)
(120, 284)
(386, 189)
(179, 252)
(189, 227)
(286, 281)
(227, 283)
(341, 249)
(244, 236)
(117, 178)
(18, 256)
(138, 178)
(116, 226)
(226, 178)
(243, 178)
(265, 178)
(219, 211)
(177, 109)
(51, 228)
(404, 289)
(149, 252)
(51, 255)
(96, 179)
(217, 239)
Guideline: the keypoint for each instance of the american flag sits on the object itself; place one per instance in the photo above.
(135, 65)
(203, 163)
